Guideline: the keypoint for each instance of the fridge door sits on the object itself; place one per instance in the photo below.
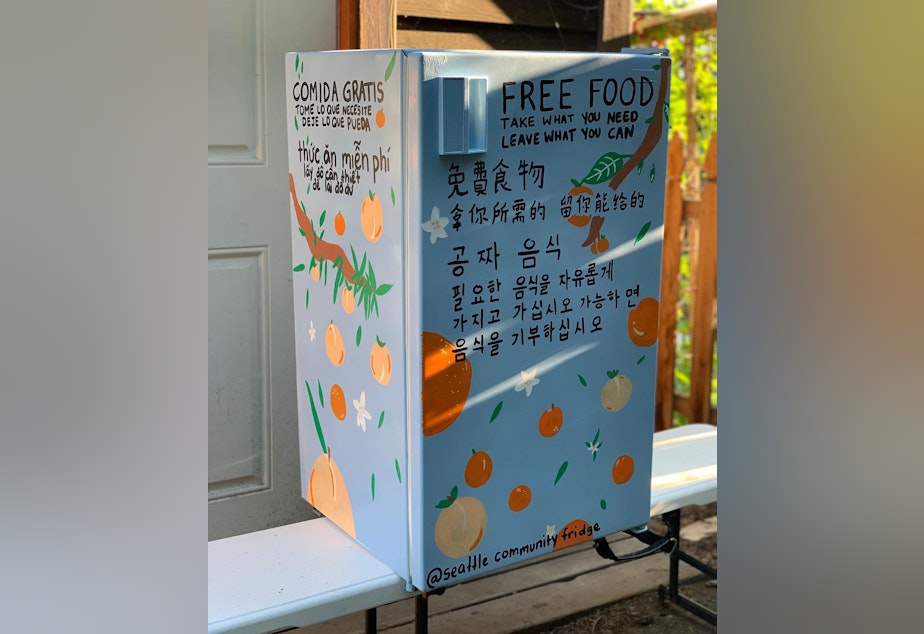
(538, 233)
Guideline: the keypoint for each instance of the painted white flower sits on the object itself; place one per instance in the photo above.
(527, 381)
(311, 330)
(361, 414)
(436, 225)
(593, 447)
(550, 530)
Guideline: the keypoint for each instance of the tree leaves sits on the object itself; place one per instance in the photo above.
(391, 65)
(561, 472)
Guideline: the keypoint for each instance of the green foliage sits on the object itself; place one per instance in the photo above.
(705, 69)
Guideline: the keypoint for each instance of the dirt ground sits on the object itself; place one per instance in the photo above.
(647, 613)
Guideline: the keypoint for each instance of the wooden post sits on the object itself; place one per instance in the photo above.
(615, 25)
(704, 294)
(367, 24)
(670, 271)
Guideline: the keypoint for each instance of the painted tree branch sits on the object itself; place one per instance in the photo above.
(320, 249)
(653, 134)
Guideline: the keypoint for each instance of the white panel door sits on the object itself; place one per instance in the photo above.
(253, 444)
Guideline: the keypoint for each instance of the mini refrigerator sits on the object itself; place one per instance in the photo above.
(476, 255)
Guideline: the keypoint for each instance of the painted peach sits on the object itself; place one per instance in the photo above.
(643, 322)
(460, 526)
(333, 343)
(380, 118)
(616, 393)
(380, 362)
(327, 492)
(316, 272)
(347, 300)
(550, 421)
(371, 217)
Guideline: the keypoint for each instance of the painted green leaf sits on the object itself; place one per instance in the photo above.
(295, 118)
(359, 335)
(454, 493)
(605, 168)
(642, 232)
(648, 120)
(640, 163)
(603, 504)
(296, 61)
(444, 503)
(575, 183)
(301, 231)
(392, 195)
(381, 420)
(640, 359)
(582, 380)
(307, 296)
(391, 65)
(308, 189)
(320, 393)
(561, 472)
(398, 470)
(384, 288)
(373, 487)
(651, 174)
(496, 412)
(299, 267)
(657, 66)
(321, 219)
(597, 435)
(302, 67)
(317, 422)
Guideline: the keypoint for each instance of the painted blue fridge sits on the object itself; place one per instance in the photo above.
(476, 242)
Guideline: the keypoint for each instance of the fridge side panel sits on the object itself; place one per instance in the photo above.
(540, 263)
(344, 118)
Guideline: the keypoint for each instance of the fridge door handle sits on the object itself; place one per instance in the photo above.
(462, 115)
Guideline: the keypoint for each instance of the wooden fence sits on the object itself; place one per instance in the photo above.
(689, 225)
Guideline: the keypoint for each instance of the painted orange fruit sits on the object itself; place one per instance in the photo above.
(623, 469)
(643, 322)
(339, 224)
(327, 492)
(603, 244)
(580, 190)
(446, 383)
(371, 217)
(574, 532)
(380, 118)
(478, 469)
(550, 421)
(316, 272)
(347, 300)
(520, 497)
(333, 343)
(380, 362)
(338, 401)
(460, 526)
(579, 221)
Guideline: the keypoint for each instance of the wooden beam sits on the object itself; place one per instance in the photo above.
(477, 36)
(377, 23)
(701, 326)
(347, 24)
(550, 14)
(615, 25)
(670, 272)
